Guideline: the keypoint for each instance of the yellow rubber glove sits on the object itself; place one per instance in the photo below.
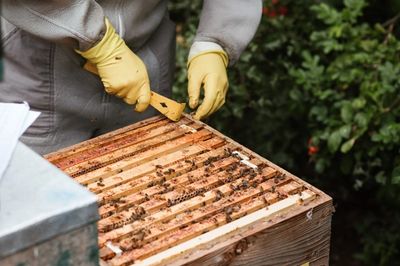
(122, 72)
(207, 69)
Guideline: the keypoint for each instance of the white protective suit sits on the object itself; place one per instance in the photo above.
(42, 68)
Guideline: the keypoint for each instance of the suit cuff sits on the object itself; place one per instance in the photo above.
(199, 47)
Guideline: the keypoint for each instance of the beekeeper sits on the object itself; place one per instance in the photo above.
(131, 43)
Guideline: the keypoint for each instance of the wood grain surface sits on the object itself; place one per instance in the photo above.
(182, 193)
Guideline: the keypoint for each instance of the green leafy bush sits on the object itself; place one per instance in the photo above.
(318, 92)
(348, 79)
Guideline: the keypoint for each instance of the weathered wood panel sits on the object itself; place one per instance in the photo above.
(291, 240)
(78, 247)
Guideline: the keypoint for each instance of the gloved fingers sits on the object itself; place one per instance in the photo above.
(221, 89)
(123, 88)
(144, 98)
(220, 104)
(91, 68)
(131, 97)
(214, 106)
(194, 85)
(221, 100)
(127, 92)
(210, 96)
(109, 89)
(219, 85)
(121, 93)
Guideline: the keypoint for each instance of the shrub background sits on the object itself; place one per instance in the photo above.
(318, 92)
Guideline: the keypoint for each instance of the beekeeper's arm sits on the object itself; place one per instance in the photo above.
(82, 26)
(225, 29)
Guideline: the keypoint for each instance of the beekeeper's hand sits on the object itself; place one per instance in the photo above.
(122, 72)
(207, 70)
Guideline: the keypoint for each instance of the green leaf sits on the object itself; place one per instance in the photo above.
(346, 147)
(326, 13)
(362, 120)
(336, 31)
(380, 178)
(345, 131)
(334, 141)
(376, 137)
(380, 28)
(320, 165)
(358, 184)
(346, 113)
(358, 103)
(319, 112)
(354, 4)
(396, 179)
(354, 8)
(295, 94)
(396, 175)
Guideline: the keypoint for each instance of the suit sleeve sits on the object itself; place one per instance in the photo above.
(229, 23)
(77, 23)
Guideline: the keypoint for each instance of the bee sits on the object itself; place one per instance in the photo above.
(140, 236)
(162, 180)
(140, 210)
(245, 184)
(159, 174)
(169, 203)
(236, 208)
(228, 218)
(252, 175)
(227, 152)
(146, 197)
(281, 196)
(265, 200)
(228, 210)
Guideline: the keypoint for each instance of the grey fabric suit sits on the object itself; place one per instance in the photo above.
(42, 68)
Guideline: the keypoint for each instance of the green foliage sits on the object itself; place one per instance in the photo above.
(349, 78)
(318, 92)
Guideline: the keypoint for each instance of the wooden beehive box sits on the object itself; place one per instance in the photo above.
(182, 193)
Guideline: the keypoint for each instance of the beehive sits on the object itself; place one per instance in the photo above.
(175, 193)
